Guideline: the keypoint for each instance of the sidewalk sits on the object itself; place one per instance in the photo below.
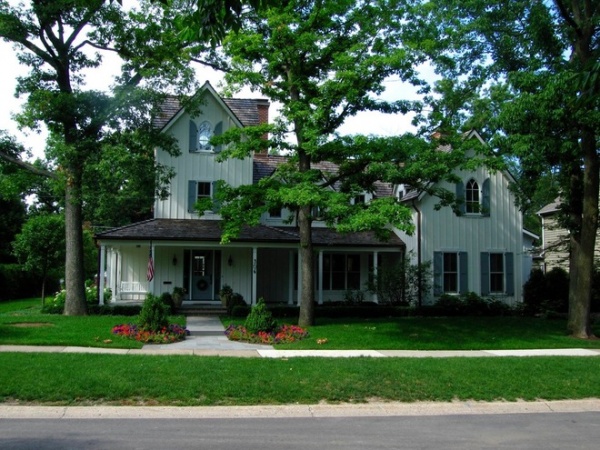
(207, 338)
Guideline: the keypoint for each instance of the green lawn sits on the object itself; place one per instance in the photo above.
(22, 323)
(441, 333)
(71, 379)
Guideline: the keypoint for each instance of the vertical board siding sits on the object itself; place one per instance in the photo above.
(200, 166)
(501, 231)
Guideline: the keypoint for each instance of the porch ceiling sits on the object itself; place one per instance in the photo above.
(210, 230)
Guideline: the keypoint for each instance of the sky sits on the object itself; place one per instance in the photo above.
(99, 79)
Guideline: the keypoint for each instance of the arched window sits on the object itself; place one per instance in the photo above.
(472, 197)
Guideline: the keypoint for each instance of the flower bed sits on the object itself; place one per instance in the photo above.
(282, 335)
(167, 335)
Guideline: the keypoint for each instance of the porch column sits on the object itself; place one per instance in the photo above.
(299, 275)
(320, 277)
(254, 270)
(291, 278)
(153, 254)
(101, 272)
(375, 269)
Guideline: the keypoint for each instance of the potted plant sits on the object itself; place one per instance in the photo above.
(226, 294)
(178, 294)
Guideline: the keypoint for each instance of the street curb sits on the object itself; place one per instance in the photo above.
(379, 409)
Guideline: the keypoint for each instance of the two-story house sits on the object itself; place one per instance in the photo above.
(181, 248)
(483, 249)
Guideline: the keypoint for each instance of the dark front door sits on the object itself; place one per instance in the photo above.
(202, 275)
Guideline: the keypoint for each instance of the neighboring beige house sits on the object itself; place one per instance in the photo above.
(555, 239)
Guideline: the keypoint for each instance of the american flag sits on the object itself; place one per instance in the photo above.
(150, 272)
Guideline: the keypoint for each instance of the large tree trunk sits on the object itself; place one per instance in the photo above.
(307, 302)
(75, 304)
(583, 244)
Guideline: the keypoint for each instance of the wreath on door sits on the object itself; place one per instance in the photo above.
(202, 285)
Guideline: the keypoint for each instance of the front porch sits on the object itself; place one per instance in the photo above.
(263, 263)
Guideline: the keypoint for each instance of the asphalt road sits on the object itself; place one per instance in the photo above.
(579, 430)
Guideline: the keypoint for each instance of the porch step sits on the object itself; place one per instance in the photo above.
(202, 310)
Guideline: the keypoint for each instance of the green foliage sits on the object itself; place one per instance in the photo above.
(56, 305)
(546, 293)
(260, 319)
(16, 283)
(236, 301)
(399, 284)
(469, 304)
(154, 315)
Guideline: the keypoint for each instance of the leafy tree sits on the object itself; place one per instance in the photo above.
(40, 246)
(325, 61)
(526, 73)
(61, 42)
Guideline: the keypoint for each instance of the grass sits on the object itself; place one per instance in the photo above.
(70, 379)
(439, 333)
(22, 323)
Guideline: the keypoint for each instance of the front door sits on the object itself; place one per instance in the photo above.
(202, 275)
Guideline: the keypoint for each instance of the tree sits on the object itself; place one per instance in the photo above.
(60, 41)
(325, 61)
(40, 246)
(526, 73)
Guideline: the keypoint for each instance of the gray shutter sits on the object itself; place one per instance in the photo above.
(218, 132)
(215, 200)
(438, 267)
(192, 195)
(509, 267)
(485, 200)
(460, 198)
(485, 273)
(463, 274)
(193, 137)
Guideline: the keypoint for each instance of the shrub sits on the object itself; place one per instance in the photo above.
(557, 291)
(154, 314)
(260, 319)
(534, 293)
(167, 300)
(234, 301)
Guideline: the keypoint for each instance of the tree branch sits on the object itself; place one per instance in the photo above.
(28, 166)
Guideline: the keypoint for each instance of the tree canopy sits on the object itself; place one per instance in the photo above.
(92, 133)
(525, 73)
(325, 61)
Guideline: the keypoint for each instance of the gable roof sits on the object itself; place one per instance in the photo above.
(265, 165)
(210, 231)
(244, 111)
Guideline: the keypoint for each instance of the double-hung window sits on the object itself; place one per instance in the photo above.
(199, 191)
(341, 271)
(497, 273)
(450, 272)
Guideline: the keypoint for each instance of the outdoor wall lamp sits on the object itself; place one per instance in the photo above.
(230, 261)
(174, 260)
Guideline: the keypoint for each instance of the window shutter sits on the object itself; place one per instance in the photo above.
(438, 267)
(192, 195)
(463, 275)
(485, 200)
(485, 273)
(216, 201)
(218, 132)
(460, 198)
(510, 273)
(193, 137)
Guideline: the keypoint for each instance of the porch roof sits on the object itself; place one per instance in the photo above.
(210, 231)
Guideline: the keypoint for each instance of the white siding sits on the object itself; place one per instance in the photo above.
(199, 166)
(501, 231)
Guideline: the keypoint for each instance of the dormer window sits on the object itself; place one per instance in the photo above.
(472, 197)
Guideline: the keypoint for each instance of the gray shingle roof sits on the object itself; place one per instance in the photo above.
(265, 165)
(210, 231)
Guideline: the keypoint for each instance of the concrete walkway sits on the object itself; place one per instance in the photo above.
(207, 338)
